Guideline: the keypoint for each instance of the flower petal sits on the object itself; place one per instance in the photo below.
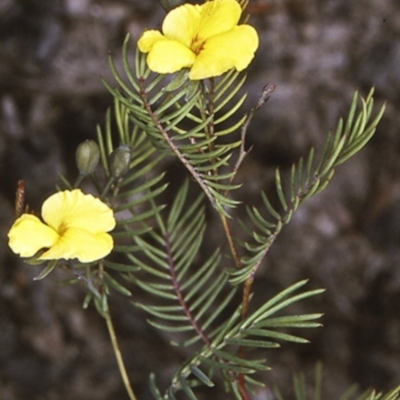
(168, 56)
(28, 235)
(182, 23)
(189, 23)
(78, 210)
(147, 40)
(233, 49)
(80, 244)
(218, 16)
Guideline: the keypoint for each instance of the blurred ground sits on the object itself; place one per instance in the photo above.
(347, 239)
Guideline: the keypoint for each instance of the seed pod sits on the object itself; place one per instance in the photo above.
(87, 157)
(119, 161)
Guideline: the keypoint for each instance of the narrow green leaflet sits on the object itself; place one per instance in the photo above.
(187, 287)
(307, 182)
(187, 127)
(222, 354)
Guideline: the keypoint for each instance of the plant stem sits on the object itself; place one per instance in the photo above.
(245, 299)
(231, 242)
(118, 356)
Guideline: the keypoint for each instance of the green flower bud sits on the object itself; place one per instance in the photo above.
(119, 161)
(87, 157)
(168, 5)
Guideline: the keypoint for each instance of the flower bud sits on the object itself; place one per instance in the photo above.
(87, 157)
(119, 161)
(168, 5)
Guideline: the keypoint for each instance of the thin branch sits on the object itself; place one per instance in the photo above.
(118, 356)
(173, 147)
(179, 293)
(231, 242)
(264, 97)
(295, 203)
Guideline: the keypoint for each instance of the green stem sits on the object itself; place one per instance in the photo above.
(118, 356)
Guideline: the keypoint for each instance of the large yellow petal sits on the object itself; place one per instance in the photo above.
(218, 16)
(195, 23)
(75, 209)
(147, 40)
(182, 23)
(168, 56)
(28, 235)
(233, 49)
(80, 244)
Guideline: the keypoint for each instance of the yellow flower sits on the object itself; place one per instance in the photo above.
(75, 227)
(205, 38)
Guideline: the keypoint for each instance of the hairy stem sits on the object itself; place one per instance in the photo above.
(179, 293)
(174, 147)
(118, 356)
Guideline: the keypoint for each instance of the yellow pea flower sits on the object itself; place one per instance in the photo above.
(75, 226)
(205, 38)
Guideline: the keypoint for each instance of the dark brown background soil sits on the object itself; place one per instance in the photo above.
(347, 239)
